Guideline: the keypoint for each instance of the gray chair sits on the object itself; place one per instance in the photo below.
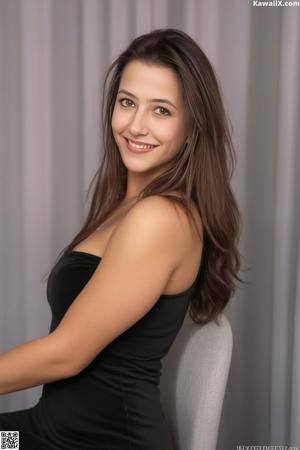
(193, 383)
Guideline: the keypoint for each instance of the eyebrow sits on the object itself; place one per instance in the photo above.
(160, 100)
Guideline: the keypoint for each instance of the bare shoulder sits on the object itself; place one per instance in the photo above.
(155, 209)
(152, 223)
(161, 209)
(172, 213)
(163, 224)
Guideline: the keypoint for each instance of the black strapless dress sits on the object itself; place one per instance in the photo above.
(114, 403)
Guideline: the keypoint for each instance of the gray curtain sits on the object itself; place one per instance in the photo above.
(53, 57)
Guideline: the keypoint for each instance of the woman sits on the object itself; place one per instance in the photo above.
(160, 239)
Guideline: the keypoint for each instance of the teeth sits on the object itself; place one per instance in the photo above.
(139, 146)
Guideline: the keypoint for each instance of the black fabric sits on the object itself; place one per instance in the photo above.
(114, 403)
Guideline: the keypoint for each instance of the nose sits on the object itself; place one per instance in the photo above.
(138, 124)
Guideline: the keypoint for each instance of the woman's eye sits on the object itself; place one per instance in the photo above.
(126, 100)
(166, 113)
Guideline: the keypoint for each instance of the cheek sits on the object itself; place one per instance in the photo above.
(117, 121)
(171, 134)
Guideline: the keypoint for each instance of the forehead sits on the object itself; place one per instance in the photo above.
(151, 81)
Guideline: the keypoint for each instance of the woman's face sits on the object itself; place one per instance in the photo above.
(143, 113)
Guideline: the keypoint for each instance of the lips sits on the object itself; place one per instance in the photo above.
(139, 150)
(140, 143)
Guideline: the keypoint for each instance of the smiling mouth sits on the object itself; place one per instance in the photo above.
(140, 146)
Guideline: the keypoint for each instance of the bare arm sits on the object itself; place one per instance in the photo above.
(137, 263)
(36, 362)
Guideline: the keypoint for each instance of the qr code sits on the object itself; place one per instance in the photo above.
(9, 439)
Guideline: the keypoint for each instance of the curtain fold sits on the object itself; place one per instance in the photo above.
(286, 234)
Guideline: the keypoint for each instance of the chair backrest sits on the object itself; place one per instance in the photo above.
(193, 382)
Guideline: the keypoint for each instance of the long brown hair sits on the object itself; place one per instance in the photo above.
(201, 170)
